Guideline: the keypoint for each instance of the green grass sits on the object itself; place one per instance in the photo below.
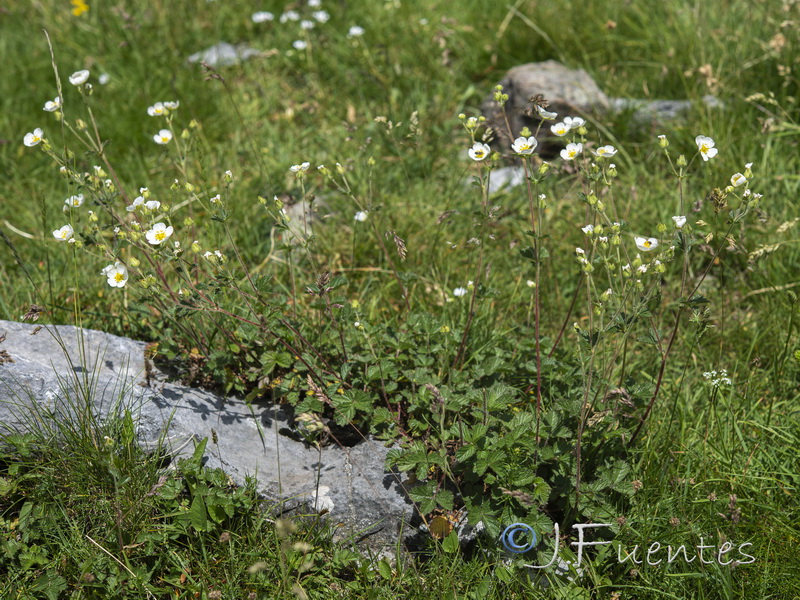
(320, 105)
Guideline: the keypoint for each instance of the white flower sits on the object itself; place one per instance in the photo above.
(228, 175)
(74, 201)
(321, 16)
(262, 17)
(459, 291)
(523, 145)
(479, 151)
(571, 151)
(173, 105)
(543, 114)
(300, 44)
(52, 105)
(588, 229)
(642, 269)
(117, 274)
(355, 31)
(574, 122)
(158, 233)
(64, 234)
(530, 283)
(104, 78)
(357, 324)
(139, 201)
(300, 168)
(738, 179)
(163, 137)
(706, 147)
(361, 216)
(157, 110)
(31, 139)
(215, 199)
(626, 267)
(560, 129)
(580, 251)
(314, 3)
(152, 205)
(646, 244)
(289, 15)
(605, 151)
(680, 221)
(79, 77)
(306, 24)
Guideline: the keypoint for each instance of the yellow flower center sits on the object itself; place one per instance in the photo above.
(573, 153)
(647, 244)
(479, 153)
(160, 236)
(118, 277)
(704, 148)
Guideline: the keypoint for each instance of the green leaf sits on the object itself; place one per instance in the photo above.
(197, 514)
(450, 544)
(385, 569)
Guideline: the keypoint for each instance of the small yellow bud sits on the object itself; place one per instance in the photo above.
(188, 222)
(663, 141)
(682, 161)
(661, 228)
(188, 187)
(134, 262)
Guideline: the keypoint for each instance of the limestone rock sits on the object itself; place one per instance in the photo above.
(47, 381)
(570, 92)
(223, 54)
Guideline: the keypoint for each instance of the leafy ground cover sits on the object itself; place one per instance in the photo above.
(647, 381)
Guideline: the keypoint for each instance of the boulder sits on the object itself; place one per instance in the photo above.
(569, 92)
(49, 373)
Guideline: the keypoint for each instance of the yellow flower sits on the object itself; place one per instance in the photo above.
(79, 7)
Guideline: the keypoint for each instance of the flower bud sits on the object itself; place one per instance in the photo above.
(663, 141)
(134, 262)
(682, 161)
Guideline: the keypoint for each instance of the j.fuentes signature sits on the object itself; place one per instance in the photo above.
(654, 554)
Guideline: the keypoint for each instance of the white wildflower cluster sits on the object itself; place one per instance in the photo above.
(717, 379)
(305, 21)
(162, 109)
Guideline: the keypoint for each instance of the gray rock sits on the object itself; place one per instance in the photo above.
(659, 111)
(570, 92)
(506, 178)
(42, 384)
(223, 54)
